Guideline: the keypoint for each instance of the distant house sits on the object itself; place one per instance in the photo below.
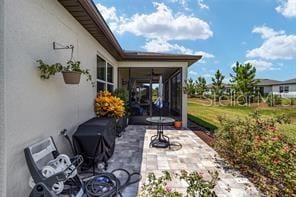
(227, 90)
(282, 88)
(286, 89)
(265, 85)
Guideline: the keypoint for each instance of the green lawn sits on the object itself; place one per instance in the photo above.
(207, 115)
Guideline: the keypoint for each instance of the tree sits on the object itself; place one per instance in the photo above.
(218, 86)
(244, 82)
(190, 88)
(201, 85)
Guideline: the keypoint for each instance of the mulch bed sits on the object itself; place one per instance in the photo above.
(207, 138)
(201, 132)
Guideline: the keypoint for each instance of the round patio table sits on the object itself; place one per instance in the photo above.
(160, 140)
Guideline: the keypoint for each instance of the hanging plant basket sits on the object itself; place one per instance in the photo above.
(71, 71)
(71, 77)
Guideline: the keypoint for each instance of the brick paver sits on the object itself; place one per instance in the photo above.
(133, 153)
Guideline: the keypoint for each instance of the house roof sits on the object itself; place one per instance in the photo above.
(87, 14)
(269, 82)
(290, 81)
(266, 82)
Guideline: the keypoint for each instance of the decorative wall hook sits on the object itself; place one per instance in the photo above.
(57, 46)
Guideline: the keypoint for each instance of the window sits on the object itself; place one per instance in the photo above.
(100, 86)
(176, 94)
(286, 89)
(281, 89)
(101, 69)
(104, 75)
(109, 73)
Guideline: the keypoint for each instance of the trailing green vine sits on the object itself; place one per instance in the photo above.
(47, 70)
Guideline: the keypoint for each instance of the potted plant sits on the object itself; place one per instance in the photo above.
(71, 71)
(123, 95)
(107, 105)
(178, 124)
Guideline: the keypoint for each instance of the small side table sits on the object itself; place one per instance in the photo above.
(160, 140)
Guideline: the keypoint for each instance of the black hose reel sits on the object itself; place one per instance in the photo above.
(107, 184)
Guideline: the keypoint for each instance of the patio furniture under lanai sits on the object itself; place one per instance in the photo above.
(160, 140)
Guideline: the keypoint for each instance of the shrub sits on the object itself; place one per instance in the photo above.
(107, 105)
(293, 101)
(123, 95)
(273, 100)
(197, 186)
(255, 142)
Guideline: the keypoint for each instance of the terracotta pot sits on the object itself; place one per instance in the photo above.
(71, 77)
(178, 124)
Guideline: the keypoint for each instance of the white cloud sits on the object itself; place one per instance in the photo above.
(208, 76)
(160, 27)
(287, 8)
(276, 45)
(159, 45)
(163, 24)
(192, 73)
(202, 5)
(109, 15)
(261, 65)
(233, 65)
(204, 54)
(183, 3)
(267, 32)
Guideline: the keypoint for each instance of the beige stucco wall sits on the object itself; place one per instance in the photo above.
(183, 65)
(34, 108)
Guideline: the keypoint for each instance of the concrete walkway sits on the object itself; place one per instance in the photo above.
(132, 152)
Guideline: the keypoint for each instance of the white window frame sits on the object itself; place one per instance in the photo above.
(106, 83)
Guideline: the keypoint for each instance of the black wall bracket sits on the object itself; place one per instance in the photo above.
(57, 46)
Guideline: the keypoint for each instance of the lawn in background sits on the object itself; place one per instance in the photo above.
(206, 114)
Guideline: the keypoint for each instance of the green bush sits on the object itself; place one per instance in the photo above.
(255, 142)
(122, 94)
(293, 101)
(257, 99)
(273, 100)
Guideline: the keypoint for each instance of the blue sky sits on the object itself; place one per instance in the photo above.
(262, 32)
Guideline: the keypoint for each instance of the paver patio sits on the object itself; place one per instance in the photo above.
(132, 152)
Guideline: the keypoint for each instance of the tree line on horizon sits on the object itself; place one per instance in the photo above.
(243, 82)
